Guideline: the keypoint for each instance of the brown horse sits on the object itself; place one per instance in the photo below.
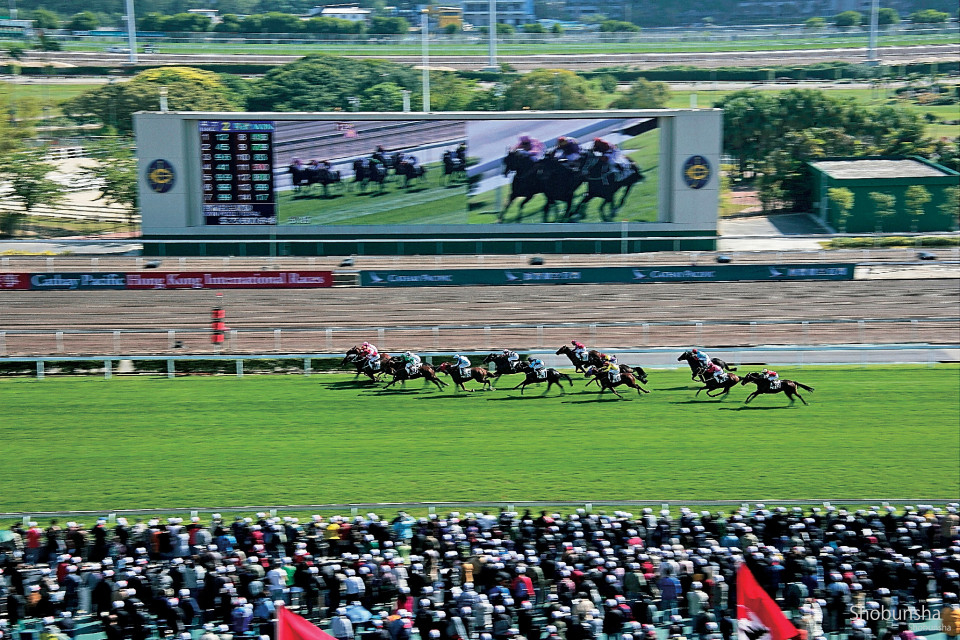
(696, 369)
(551, 377)
(789, 387)
(398, 370)
(477, 374)
(724, 387)
(604, 381)
(355, 358)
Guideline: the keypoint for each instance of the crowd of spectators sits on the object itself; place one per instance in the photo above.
(465, 576)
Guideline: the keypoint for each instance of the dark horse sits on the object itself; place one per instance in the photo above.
(454, 168)
(579, 365)
(353, 357)
(366, 172)
(551, 377)
(604, 183)
(410, 171)
(503, 366)
(548, 176)
(730, 381)
(636, 372)
(605, 383)
(789, 387)
(398, 370)
(478, 374)
(306, 176)
(696, 369)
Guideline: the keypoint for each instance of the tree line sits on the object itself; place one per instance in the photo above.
(771, 137)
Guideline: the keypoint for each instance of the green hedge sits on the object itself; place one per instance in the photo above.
(819, 71)
(892, 241)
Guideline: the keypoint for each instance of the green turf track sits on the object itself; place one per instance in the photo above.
(89, 443)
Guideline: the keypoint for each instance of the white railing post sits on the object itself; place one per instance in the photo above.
(699, 333)
(276, 340)
(59, 341)
(171, 338)
(107, 369)
(239, 368)
(328, 336)
(646, 333)
(39, 369)
(171, 369)
(116, 341)
(3, 343)
(234, 339)
(860, 329)
(381, 343)
(486, 337)
(306, 367)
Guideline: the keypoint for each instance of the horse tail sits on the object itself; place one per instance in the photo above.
(803, 386)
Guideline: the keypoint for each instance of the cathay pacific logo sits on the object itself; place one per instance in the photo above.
(510, 276)
(774, 273)
(638, 275)
(374, 278)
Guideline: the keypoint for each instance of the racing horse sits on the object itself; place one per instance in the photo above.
(454, 168)
(603, 183)
(789, 387)
(578, 364)
(409, 172)
(636, 372)
(398, 370)
(605, 383)
(730, 381)
(355, 358)
(307, 176)
(551, 377)
(695, 367)
(548, 176)
(502, 365)
(367, 171)
(477, 374)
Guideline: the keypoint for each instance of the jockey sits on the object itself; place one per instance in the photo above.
(296, 164)
(567, 149)
(536, 365)
(612, 369)
(371, 354)
(464, 363)
(512, 358)
(579, 350)
(609, 359)
(411, 362)
(529, 147)
(701, 356)
(772, 377)
(714, 371)
(611, 156)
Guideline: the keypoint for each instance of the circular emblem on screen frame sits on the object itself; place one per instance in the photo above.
(160, 176)
(696, 172)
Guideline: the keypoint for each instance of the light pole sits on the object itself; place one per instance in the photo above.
(132, 32)
(872, 58)
(492, 10)
(425, 62)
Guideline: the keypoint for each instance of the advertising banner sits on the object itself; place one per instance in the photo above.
(595, 275)
(230, 280)
(75, 281)
(14, 281)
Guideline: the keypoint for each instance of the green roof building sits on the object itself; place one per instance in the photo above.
(889, 175)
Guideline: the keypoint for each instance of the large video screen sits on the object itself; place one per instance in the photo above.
(390, 172)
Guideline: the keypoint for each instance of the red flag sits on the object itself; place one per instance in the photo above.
(290, 626)
(758, 616)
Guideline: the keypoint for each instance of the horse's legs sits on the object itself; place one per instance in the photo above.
(751, 397)
(699, 390)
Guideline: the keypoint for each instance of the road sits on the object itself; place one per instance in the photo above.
(576, 62)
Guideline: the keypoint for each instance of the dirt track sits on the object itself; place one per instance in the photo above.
(303, 315)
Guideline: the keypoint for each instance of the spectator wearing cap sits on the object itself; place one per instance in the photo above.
(340, 625)
(669, 592)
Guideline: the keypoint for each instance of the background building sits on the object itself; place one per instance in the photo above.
(888, 175)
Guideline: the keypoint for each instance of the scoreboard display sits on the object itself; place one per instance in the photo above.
(236, 158)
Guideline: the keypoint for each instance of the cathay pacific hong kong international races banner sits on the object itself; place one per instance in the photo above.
(594, 275)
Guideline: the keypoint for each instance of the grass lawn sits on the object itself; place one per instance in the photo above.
(709, 42)
(88, 443)
(44, 94)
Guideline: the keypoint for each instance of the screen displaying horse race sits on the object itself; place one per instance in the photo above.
(442, 171)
